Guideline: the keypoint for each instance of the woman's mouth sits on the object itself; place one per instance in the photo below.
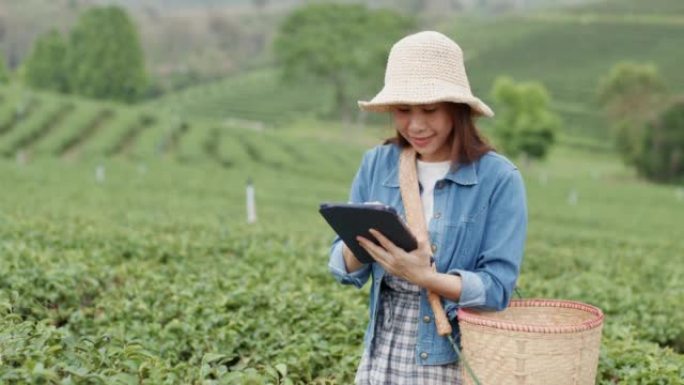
(421, 142)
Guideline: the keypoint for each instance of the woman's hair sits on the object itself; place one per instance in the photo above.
(467, 143)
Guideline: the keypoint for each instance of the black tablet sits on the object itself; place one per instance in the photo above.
(352, 219)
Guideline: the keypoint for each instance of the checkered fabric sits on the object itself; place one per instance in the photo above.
(392, 359)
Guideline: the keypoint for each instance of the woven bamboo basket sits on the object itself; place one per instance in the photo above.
(532, 342)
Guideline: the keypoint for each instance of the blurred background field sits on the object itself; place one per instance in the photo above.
(126, 256)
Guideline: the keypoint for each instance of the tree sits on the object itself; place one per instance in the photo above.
(661, 151)
(105, 58)
(345, 46)
(45, 68)
(524, 123)
(631, 95)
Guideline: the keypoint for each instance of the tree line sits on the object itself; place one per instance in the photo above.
(100, 58)
(345, 47)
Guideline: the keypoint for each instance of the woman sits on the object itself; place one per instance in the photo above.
(473, 203)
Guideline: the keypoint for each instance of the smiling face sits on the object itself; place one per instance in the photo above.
(427, 127)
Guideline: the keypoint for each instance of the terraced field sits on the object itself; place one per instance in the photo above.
(41, 125)
(568, 50)
(126, 258)
(257, 98)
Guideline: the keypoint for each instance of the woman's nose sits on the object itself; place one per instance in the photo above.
(416, 123)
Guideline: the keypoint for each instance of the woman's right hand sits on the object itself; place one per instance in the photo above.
(350, 260)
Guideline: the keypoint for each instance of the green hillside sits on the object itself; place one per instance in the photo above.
(151, 274)
(126, 257)
(568, 54)
(568, 50)
(42, 125)
(640, 7)
(259, 97)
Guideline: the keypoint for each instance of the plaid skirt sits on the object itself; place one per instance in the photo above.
(392, 354)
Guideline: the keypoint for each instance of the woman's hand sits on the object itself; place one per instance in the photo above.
(413, 266)
(351, 262)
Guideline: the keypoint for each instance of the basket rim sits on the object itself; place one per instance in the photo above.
(469, 316)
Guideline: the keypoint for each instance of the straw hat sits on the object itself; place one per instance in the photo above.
(426, 67)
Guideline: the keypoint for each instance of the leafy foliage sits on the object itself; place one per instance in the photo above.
(345, 46)
(46, 67)
(524, 125)
(661, 155)
(630, 88)
(150, 276)
(633, 95)
(105, 58)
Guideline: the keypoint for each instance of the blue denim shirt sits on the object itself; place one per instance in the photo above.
(478, 232)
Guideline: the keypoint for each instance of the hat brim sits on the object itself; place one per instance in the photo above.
(425, 94)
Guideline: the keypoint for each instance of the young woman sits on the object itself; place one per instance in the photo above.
(474, 207)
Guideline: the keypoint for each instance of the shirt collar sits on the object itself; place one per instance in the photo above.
(464, 174)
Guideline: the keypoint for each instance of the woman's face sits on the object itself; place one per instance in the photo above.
(427, 127)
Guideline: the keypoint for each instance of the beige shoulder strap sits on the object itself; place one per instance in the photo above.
(410, 195)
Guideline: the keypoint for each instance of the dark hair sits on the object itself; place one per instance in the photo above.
(467, 143)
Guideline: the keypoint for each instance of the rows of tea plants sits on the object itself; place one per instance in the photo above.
(148, 274)
(35, 125)
(258, 96)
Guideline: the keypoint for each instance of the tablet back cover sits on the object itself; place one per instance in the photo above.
(349, 220)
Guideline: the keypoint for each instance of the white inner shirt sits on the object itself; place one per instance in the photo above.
(428, 174)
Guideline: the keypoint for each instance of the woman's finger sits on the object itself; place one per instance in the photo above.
(386, 243)
(377, 252)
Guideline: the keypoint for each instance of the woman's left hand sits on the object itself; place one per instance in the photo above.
(413, 266)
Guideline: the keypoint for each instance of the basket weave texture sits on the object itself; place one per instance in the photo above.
(533, 342)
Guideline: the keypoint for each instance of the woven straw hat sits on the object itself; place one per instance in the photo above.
(425, 67)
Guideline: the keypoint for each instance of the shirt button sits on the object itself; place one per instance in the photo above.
(434, 247)
(438, 215)
(424, 355)
(426, 319)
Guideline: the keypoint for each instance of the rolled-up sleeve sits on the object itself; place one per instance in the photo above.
(339, 270)
(490, 284)
(358, 194)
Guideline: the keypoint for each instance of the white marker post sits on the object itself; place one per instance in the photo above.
(251, 202)
(22, 158)
(573, 197)
(100, 174)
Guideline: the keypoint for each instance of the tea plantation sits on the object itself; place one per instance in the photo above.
(568, 50)
(125, 258)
